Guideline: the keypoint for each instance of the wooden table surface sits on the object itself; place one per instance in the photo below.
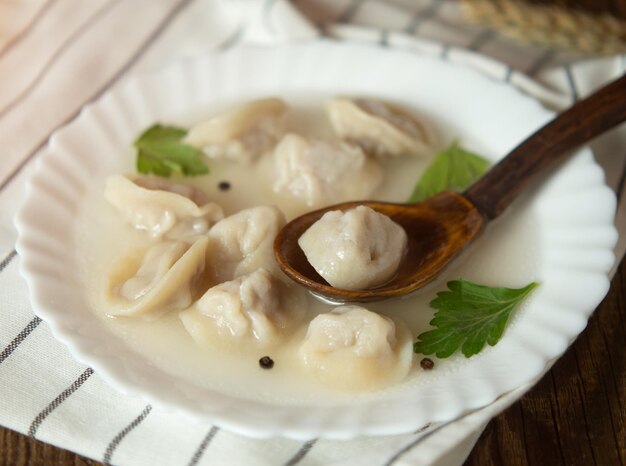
(576, 415)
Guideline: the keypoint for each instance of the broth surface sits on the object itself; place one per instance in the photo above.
(507, 254)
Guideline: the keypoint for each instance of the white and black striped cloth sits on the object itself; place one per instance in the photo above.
(58, 55)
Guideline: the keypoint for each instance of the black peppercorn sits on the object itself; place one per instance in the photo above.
(427, 364)
(224, 185)
(266, 362)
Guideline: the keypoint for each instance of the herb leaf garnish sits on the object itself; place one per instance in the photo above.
(160, 150)
(469, 316)
(452, 169)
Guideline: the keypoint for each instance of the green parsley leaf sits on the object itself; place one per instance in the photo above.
(468, 316)
(453, 169)
(160, 151)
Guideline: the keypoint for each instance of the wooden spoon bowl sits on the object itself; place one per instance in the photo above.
(433, 242)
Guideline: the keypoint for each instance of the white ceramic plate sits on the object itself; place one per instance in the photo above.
(574, 212)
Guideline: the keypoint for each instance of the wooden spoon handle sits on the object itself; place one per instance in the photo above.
(588, 118)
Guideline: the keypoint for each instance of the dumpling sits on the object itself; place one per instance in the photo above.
(243, 242)
(241, 134)
(353, 348)
(354, 250)
(161, 208)
(257, 306)
(320, 172)
(157, 183)
(165, 277)
(380, 128)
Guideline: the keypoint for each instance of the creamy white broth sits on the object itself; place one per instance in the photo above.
(506, 255)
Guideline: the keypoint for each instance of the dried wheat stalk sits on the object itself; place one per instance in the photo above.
(551, 25)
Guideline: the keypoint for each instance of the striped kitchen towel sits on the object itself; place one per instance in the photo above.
(58, 55)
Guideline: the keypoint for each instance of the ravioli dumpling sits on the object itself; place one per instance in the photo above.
(353, 348)
(257, 306)
(380, 128)
(354, 250)
(243, 242)
(163, 278)
(320, 172)
(161, 208)
(242, 133)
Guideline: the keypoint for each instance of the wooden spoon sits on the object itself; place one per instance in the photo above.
(441, 227)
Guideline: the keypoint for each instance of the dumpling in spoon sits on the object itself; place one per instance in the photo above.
(257, 306)
(380, 128)
(161, 208)
(354, 250)
(321, 172)
(243, 243)
(353, 348)
(165, 277)
(242, 133)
